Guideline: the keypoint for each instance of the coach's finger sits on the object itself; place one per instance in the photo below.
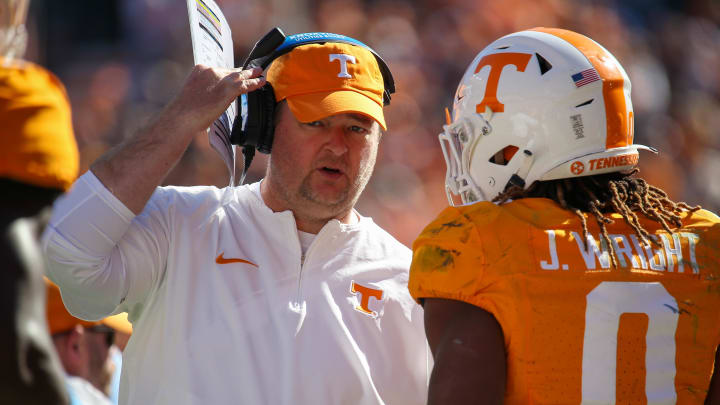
(240, 73)
(240, 81)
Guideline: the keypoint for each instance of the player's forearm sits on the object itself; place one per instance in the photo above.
(133, 169)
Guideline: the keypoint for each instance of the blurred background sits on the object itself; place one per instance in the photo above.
(123, 60)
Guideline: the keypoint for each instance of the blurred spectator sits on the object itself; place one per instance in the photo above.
(671, 50)
(38, 161)
(85, 350)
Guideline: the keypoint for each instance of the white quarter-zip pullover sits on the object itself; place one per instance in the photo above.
(227, 310)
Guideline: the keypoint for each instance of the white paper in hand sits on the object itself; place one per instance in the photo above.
(212, 46)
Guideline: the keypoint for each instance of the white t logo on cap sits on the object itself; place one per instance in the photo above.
(344, 59)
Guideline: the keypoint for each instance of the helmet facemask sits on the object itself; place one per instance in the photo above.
(457, 141)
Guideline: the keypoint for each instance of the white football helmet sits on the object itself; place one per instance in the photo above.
(557, 98)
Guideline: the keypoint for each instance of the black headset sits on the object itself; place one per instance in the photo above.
(254, 127)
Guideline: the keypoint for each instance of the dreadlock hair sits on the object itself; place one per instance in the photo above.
(618, 192)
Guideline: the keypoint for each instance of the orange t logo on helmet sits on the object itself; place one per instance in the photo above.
(497, 62)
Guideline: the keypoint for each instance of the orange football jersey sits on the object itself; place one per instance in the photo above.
(578, 330)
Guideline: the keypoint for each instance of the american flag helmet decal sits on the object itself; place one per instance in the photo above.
(585, 77)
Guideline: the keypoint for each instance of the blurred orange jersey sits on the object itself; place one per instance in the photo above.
(576, 329)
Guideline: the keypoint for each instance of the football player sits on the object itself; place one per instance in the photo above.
(38, 162)
(559, 276)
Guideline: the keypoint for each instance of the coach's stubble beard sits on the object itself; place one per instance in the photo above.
(342, 202)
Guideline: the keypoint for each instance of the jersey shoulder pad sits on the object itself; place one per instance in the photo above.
(447, 256)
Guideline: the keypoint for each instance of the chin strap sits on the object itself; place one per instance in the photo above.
(518, 179)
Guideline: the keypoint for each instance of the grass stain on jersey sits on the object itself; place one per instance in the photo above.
(446, 226)
(465, 236)
(434, 258)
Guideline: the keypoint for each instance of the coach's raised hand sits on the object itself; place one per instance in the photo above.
(208, 92)
(134, 168)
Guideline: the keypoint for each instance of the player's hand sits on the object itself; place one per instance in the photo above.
(208, 92)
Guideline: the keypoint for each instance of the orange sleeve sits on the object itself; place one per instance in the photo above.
(448, 261)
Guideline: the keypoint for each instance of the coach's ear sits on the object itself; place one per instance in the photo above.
(468, 346)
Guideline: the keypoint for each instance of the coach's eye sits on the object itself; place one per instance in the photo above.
(314, 123)
(358, 129)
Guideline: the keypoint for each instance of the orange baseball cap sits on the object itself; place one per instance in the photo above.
(320, 80)
(60, 320)
(37, 143)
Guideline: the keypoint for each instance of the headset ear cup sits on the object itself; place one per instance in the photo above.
(251, 131)
(244, 131)
(267, 133)
(260, 121)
